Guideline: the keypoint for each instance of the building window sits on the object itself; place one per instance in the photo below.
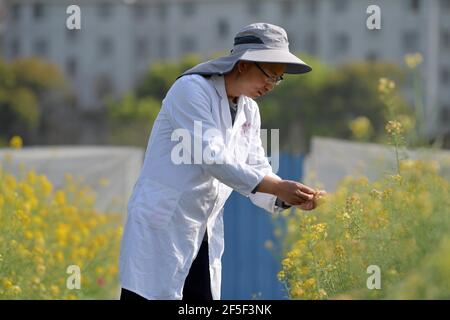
(188, 8)
(140, 11)
(311, 43)
(38, 11)
(414, 5)
(163, 47)
(254, 7)
(223, 28)
(445, 114)
(41, 47)
(162, 10)
(372, 56)
(15, 11)
(410, 41)
(72, 34)
(287, 7)
(142, 48)
(15, 47)
(340, 5)
(103, 85)
(187, 45)
(72, 67)
(106, 47)
(311, 7)
(445, 4)
(445, 76)
(445, 39)
(105, 10)
(341, 43)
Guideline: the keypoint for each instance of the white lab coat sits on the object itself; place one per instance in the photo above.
(172, 204)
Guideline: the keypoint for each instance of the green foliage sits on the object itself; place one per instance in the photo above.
(25, 87)
(131, 118)
(162, 75)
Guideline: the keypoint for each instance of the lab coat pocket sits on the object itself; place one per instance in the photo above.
(156, 203)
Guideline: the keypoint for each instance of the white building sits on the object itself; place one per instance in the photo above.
(119, 38)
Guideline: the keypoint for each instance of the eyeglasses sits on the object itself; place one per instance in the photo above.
(270, 79)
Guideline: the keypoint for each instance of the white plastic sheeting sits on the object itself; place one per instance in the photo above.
(110, 171)
(330, 160)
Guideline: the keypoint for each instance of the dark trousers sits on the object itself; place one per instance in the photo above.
(197, 285)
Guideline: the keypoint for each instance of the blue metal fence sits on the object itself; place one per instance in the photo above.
(249, 269)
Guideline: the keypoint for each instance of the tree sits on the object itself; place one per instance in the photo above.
(131, 118)
(29, 89)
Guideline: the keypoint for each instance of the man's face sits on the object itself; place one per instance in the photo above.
(259, 78)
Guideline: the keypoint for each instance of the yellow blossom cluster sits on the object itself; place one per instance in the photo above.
(16, 142)
(398, 222)
(412, 60)
(45, 230)
(385, 86)
(361, 128)
(394, 127)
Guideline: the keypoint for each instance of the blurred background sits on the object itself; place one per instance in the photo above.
(73, 99)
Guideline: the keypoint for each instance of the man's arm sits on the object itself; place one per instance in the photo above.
(272, 193)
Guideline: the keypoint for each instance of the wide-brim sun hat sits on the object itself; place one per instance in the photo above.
(257, 42)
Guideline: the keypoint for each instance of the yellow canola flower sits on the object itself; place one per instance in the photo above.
(45, 185)
(297, 291)
(7, 283)
(55, 290)
(40, 269)
(394, 127)
(28, 235)
(113, 270)
(412, 60)
(281, 275)
(60, 198)
(385, 85)
(16, 142)
(62, 231)
(310, 282)
(15, 290)
(10, 182)
(320, 197)
(361, 127)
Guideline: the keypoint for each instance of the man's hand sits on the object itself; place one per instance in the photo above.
(319, 197)
(291, 192)
(294, 193)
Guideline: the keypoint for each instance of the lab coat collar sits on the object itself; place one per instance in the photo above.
(219, 84)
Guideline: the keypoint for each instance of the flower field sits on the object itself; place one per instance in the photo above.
(400, 223)
(44, 230)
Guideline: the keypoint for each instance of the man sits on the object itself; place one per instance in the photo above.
(173, 239)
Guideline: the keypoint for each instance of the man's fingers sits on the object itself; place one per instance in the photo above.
(306, 189)
(304, 196)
